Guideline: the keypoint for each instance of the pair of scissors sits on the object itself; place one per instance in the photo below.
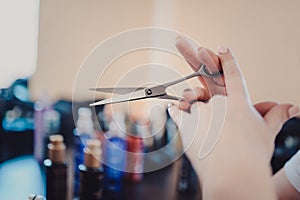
(159, 91)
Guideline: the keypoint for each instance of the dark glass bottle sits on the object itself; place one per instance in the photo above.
(91, 173)
(84, 131)
(56, 170)
(187, 182)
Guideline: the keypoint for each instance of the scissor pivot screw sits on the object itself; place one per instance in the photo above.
(148, 91)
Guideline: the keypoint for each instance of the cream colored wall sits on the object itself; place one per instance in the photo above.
(70, 29)
(264, 35)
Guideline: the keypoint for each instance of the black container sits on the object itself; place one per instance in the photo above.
(91, 183)
(56, 170)
(56, 180)
(187, 182)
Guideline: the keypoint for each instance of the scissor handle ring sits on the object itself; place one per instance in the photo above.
(208, 74)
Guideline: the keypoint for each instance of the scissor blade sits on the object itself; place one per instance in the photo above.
(118, 90)
(122, 98)
(169, 97)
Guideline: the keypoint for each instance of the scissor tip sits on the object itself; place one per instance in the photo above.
(93, 104)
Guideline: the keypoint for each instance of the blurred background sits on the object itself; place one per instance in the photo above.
(264, 36)
(44, 49)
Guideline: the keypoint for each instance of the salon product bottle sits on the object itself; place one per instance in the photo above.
(91, 172)
(135, 148)
(51, 124)
(56, 169)
(135, 158)
(172, 139)
(40, 107)
(84, 131)
(187, 181)
(115, 155)
(141, 126)
(158, 121)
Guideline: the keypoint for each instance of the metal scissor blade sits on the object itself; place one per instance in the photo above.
(122, 98)
(203, 71)
(118, 90)
(169, 97)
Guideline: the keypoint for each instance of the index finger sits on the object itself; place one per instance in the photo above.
(194, 60)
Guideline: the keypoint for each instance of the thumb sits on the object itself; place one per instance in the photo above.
(279, 114)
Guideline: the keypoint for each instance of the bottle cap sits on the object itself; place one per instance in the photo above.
(51, 121)
(56, 149)
(84, 123)
(117, 127)
(92, 153)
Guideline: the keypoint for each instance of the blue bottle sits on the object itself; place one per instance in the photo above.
(115, 156)
(83, 132)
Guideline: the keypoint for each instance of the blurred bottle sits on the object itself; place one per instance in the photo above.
(17, 119)
(136, 149)
(135, 160)
(56, 169)
(40, 107)
(141, 126)
(187, 181)
(172, 138)
(84, 130)
(115, 155)
(51, 124)
(91, 172)
(103, 121)
(158, 122)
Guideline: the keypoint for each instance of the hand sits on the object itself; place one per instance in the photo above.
(210, 86)
(227, 133)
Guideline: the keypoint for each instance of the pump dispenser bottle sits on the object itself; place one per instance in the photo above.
(56, 169)
(91, 172)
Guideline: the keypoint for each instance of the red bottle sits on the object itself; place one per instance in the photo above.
(135, 158)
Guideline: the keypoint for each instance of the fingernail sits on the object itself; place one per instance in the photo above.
(170, 105)
(222, 49)
(187, 90)
(178, 37)
(201, 50)
(293, 111)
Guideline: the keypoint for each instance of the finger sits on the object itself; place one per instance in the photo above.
(191, 96)
(189, 54)
(197, 94)
(279, 114)
(176, 114)
(191, 57)
(211, 60)
(234, 80)
(184, 105)
(264, 107)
